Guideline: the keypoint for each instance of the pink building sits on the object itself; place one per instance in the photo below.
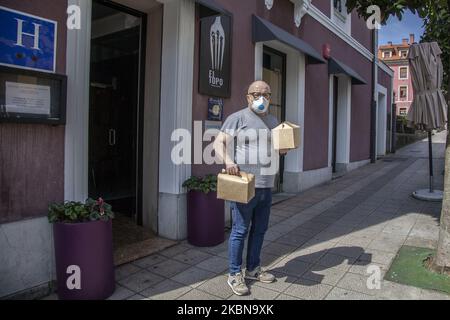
(396, 57)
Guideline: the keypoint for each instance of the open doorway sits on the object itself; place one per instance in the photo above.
(115, 107)
(335, 122)
(382, 124)
(274, 73)
(341, 116)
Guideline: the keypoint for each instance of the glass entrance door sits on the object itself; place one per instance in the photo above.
(114, 124)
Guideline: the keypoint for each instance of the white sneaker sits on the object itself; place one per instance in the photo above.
(259, 275)
(237, 284)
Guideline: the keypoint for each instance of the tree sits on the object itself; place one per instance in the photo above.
(437, 23)
(436, 16)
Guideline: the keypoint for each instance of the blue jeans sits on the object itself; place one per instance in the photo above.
(250, 219)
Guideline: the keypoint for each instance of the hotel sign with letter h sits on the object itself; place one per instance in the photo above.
(27, 41)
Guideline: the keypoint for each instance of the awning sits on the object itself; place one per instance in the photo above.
(212, 8)
(337, 67)
(263, 30)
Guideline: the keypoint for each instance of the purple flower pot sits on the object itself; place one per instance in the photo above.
(206, 219)
(84, 260)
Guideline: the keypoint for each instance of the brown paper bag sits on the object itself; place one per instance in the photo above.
(286, 136)
(234, 188)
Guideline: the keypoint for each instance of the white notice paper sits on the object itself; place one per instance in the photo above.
(27, 98)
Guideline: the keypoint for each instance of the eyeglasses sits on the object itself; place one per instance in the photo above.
(258, 95)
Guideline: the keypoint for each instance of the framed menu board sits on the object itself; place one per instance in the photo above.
(32, 97)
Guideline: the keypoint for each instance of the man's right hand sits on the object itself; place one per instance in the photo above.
(233, 169)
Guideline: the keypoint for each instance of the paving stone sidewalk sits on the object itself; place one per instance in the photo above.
(320, 243)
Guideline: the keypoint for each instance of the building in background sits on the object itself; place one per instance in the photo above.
(396, 57)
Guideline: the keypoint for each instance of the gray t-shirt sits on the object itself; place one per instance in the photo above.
(253, 151)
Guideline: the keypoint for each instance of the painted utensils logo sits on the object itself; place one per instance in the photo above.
(215, 56)
(217, 44)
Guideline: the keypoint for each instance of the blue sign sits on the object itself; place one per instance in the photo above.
(27, 41)
(215, 109)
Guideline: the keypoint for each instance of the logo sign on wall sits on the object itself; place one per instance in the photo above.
(215, 56)
(215, 109)
(27, 41)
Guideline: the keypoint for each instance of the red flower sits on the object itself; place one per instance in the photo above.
(100, 203)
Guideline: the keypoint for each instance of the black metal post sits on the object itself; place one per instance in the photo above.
(430, 156)
(373, 132)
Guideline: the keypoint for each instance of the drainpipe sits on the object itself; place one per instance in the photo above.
(373, 107)
(393, 119)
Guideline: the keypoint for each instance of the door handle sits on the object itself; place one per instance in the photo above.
(112, 137)
(93, 179)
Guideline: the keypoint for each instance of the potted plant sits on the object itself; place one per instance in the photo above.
(206, 213)
(83, 249)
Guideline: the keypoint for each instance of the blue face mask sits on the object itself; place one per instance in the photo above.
(261, 105)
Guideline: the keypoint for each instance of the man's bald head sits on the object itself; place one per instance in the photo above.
(256, 90)
(259, 86)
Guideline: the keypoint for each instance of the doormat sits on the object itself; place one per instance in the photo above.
(409, 268)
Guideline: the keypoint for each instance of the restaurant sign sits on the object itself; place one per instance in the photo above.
(215, 56)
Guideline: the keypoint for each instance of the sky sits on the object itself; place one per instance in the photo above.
(395, 30)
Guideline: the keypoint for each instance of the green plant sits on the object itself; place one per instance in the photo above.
(206, 185)
(78, 212)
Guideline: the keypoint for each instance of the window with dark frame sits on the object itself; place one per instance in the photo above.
(403, 72)
(403, 92)
(338, 5)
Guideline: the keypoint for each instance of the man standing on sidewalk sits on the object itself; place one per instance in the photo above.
(250, 128)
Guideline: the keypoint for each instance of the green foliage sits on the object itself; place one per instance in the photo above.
(77, 212)
(206, 185)
(402, 119)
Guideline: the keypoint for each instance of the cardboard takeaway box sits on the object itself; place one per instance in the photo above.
(234, 188)
(286, 136)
